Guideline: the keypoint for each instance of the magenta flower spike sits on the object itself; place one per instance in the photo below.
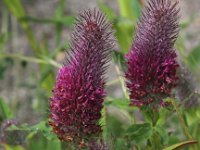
(78, 95)
(151, 62)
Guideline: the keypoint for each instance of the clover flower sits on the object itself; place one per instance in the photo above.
(151, 61)
(78, 94)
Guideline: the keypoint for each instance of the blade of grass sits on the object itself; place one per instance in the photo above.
(16, 8)
(32, 59)
(181, 145)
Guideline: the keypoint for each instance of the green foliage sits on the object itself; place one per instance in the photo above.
(9, 147)
(139, 133)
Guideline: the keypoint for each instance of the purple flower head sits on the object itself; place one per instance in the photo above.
(78, 94)
(152, 64)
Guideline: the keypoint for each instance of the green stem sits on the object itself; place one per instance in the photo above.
(183, 124)
(32, 59)
(121, 79)
(104, 122)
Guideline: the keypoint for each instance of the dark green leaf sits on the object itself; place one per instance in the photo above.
(163, 134)
(120, 144)
(139, 132)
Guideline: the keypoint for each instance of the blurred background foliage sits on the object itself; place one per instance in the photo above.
(32, 48)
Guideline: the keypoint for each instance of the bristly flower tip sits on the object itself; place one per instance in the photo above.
(151, 72)
(78, 95)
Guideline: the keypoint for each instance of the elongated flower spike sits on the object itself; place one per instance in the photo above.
(78, 95)
(151, 72)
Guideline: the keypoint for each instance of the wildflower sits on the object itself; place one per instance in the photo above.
(152, 64)
(79, 93)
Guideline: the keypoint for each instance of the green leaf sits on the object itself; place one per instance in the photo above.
(41, 127)
(60, 9)
(139, 132)
(150, 115)
(129, 9)
(68, 20)
(162, 133)
(124, 28)
(54, 145)
(120, 144)
(115, 127)
(181, 144)
(5, 110)
(15, 7)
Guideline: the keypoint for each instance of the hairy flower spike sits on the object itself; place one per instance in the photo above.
(152, 64)
(78, 94)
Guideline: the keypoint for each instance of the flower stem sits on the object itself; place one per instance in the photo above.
(183, 124)
(121, 79)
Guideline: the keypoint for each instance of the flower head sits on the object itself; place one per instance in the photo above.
(78, 94)
(152, 64)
